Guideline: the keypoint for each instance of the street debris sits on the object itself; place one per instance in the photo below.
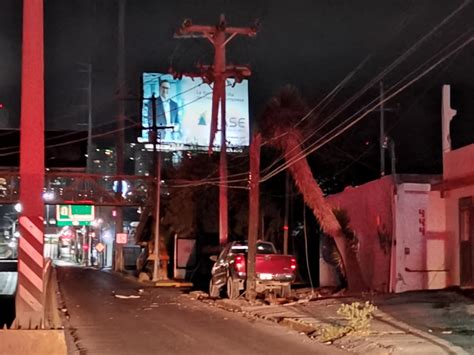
(297, 302)
(198, 295)
(126, 297)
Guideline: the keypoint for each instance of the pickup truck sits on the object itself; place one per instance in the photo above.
(274, 272)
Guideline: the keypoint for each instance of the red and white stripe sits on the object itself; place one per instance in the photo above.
(30, 263)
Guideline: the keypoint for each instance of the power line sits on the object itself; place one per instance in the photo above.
(101, 125)
(339, 129)
(322, 141)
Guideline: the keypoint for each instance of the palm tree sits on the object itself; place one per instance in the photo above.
(279, 128)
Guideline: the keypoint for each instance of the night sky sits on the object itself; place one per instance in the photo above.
(310, 44)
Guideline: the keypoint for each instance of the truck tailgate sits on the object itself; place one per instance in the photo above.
(273, 264)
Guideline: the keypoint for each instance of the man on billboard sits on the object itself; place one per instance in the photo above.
(166, 114)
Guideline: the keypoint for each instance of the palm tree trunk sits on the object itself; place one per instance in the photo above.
(314, 199)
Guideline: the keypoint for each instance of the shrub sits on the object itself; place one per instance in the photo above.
(357, 318)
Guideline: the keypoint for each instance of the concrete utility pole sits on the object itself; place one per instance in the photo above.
(89, 118)
(447, 114)
(287, 212)
(383, 143)
(156, 250)
(219, 35)
(29, 301)
(119, 150)
(153, 136)
(87, 68)
(254, 195)
(155, 139)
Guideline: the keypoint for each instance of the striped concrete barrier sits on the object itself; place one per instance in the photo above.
(29, 296)
(50, 338)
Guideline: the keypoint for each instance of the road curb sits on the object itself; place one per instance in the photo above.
(72, 342)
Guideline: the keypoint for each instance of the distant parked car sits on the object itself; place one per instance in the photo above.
(9, 249)
(274, 272)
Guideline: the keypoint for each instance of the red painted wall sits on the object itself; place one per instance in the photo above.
(370, 210)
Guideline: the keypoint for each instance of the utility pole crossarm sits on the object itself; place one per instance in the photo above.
(238, 72)
(192, 75)
(186, 30)
(247, 31)
(191, 35)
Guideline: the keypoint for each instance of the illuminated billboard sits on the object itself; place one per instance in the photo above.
(183, 108)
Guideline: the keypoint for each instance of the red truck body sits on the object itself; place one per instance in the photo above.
(270, 264)
(274, 272)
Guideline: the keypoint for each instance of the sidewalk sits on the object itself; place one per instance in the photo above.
(388, 335)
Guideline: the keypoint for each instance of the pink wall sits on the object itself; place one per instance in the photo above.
(458, 163)
(370, 209)
(458, 167)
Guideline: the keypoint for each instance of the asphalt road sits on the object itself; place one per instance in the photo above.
(162, 321)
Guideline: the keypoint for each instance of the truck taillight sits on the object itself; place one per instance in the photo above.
(293, 264)
(239, 263)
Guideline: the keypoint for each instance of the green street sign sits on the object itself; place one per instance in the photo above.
(74, 215)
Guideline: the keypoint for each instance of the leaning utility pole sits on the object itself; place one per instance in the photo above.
(29, 301)
(254, 195)
(119, 150)
(219, 35)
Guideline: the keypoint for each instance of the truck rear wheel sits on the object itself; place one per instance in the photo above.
(232, 288)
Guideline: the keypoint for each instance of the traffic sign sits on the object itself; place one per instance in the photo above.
(121, 238)
(74, 215)
(100, 247)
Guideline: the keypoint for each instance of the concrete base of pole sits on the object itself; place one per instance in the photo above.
(118, 264)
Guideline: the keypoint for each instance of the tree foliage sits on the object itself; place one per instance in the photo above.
(281, 127)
